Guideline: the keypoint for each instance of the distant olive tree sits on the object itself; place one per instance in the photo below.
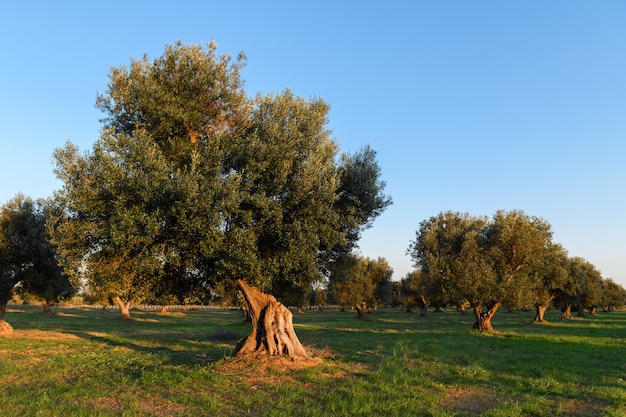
(363, 283)
(488, 262)
(27, 255)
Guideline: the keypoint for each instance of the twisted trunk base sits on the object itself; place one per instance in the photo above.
(4, 326)
(540, 311)
(567, 313)
(124, 308)
(483, 319)
(272, 326)
(360, 312)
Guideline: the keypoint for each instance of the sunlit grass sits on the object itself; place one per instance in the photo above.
(86, 362)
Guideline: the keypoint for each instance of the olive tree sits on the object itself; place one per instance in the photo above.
(613, 296)
(362, 284)
(419, 289)
(550, 277)
(488, 262)
(27, 255)
(195, 183)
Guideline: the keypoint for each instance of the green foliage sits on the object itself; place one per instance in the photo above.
(187, 95)
(613, 295)
(27, 256)
(360, 193)
(191, 184)
(362, 282)
(551, 275)
(418, 288)
(585, 285)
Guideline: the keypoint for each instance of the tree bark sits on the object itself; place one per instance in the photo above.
(540, 312)
(5, 327)
(424, 306)
(483, 319)
(124, 308)
(360, 312)
(46, 307)
(272, 326)
(163, 309)
(567, 312)
(581, 311)
(593, 311)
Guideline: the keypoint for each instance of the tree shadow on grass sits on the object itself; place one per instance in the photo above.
(179, 339)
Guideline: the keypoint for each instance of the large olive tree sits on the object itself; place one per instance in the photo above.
(195, 183)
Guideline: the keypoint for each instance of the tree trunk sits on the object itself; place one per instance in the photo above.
(593, 311)
(439, 309)
(581, 311)
(483, 319)
(424, 306)
(567, 312)
(163, 309)
(360, 312)
(272, 326)
(46, 307)
(124, 308)
(4, 326)
(540, 311)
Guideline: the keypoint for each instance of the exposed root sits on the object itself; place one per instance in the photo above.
(5, 327)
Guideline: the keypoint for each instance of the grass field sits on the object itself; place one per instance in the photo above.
(86, 362)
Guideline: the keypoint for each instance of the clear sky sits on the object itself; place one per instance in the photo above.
(472, 106)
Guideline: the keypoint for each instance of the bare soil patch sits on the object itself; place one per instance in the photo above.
(473, 401)
(39, 334)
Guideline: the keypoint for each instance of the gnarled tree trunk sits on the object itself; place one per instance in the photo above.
(483, 319)
(424, 306)
(567, 312)
(272, 326)
(124, 308)
(540, 311)
(4, 326)
(360, 311)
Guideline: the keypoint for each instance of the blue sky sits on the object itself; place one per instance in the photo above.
(472, 106)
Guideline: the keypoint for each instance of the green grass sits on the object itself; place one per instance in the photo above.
(86, 362)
